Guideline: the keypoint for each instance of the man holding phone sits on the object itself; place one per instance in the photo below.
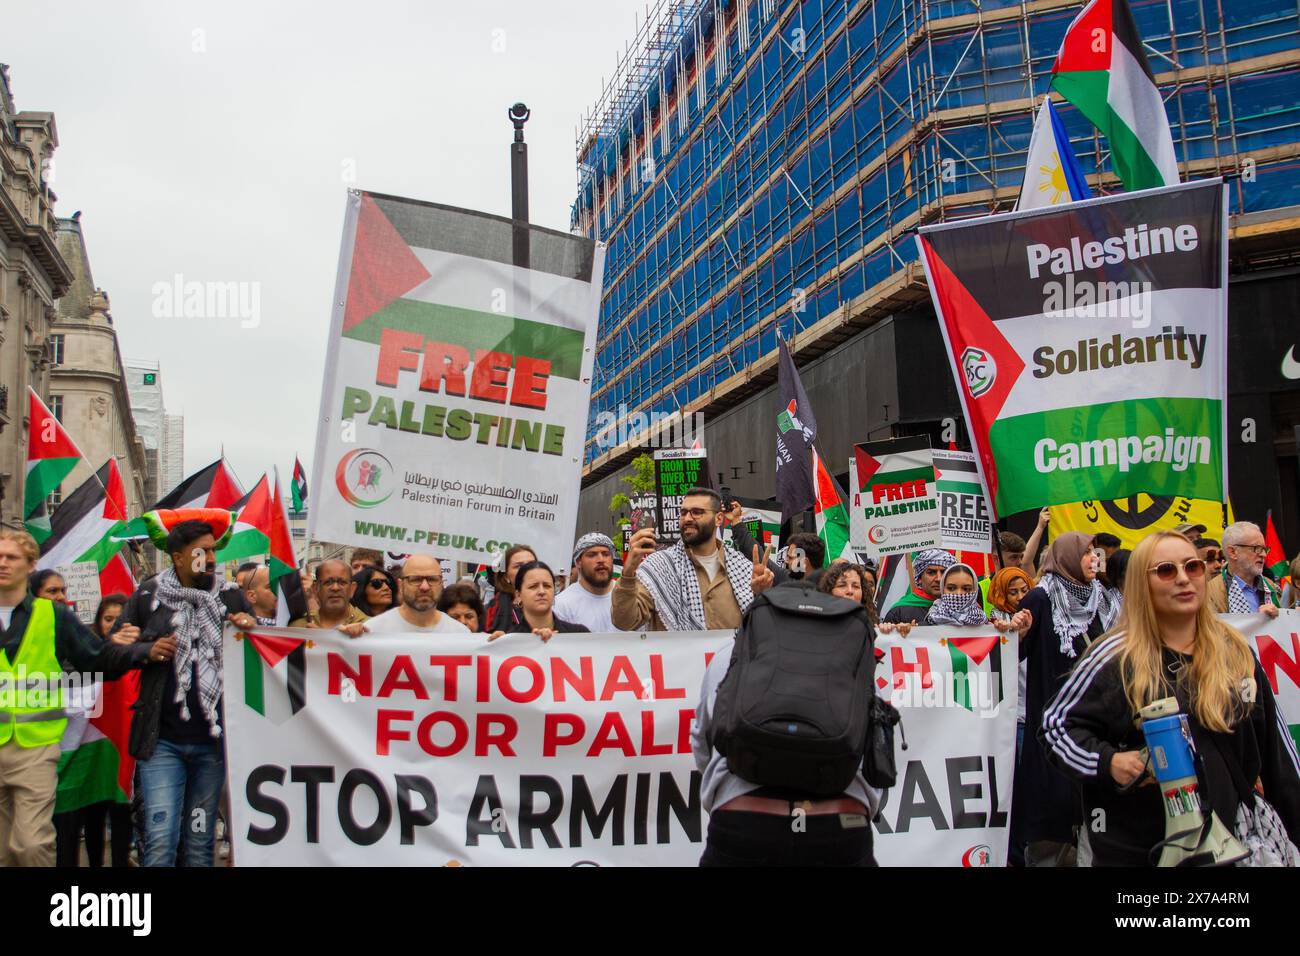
(697, 584)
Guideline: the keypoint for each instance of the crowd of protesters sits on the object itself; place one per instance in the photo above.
(1101, 629)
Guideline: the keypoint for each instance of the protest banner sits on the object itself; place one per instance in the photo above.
(676, 471)
(345, 751)
(763, 526)
(1132, 519)
(893, 507)
(1089, 344)
(1277, 645)
(956, 690)
(965, 523)
(81, 578)
(457, 386)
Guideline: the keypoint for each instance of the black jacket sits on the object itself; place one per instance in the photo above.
(1044, 804)
(74, 644)
(561, 627)
(154, 619)
(1092, 720)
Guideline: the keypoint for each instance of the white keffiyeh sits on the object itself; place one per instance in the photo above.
(670, 578)
(197, 622)
(1074, 605)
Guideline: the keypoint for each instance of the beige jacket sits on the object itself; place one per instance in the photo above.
(633, 609)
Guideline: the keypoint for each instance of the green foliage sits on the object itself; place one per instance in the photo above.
(641, 481)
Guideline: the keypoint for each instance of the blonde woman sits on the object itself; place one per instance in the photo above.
(1170, 644)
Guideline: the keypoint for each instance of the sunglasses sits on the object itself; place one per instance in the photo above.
(1168, 570)
(377, 583)
(1212, 555)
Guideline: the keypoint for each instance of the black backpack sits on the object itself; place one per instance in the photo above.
(795, 709)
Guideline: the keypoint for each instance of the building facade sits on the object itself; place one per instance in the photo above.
(33, 276)
(87, 380)
(144, 385)
(757, 166)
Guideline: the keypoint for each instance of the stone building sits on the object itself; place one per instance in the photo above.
(87, 382)
(33, 277)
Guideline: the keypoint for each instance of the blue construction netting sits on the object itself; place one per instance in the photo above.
(760, 183)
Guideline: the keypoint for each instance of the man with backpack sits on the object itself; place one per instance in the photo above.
(781, 748)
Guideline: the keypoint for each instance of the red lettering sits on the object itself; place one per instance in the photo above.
(482, 673)
(621, 677)
(398, 351)
(583, 683)
(553, 738)
(529, 387)
(921, 666)
(1271, 656)
(490, 376)
(657, 679)
(459, 734)
(511, 664)
(451, 665)
(385, 733)
(648, 746)
(444, 363)
(403, 676)
(685, 718)
(339, 670)
(612, 734)
(485, 737)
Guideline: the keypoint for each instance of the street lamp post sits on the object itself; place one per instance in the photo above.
(519, 114)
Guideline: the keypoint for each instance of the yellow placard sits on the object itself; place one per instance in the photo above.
(1132, 519)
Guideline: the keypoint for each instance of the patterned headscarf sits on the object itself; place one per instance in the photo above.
(1075, 602)
(959, 609)
(929, 558)
(593, 539)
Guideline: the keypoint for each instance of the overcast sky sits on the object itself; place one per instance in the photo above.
(212, 140)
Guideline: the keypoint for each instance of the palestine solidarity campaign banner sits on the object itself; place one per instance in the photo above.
(457, 384)
(1089, 344)
(577, 751)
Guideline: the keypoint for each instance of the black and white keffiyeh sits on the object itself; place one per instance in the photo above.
(197, 622)
(1074, 605)
(1237, 600)
(959, 610)
(669, 576)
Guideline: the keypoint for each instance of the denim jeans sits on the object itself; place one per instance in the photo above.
(181, 786)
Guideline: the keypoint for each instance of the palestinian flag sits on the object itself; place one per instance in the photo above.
(796, 430)
(212, 487)
(83, 530)
(1275, 560)
(95, 764)
(832, 516)
(290, 601)
(1102, 69)
(252, 533)
(51, 457)
(298, 487)
(968, 653)
(275, 675)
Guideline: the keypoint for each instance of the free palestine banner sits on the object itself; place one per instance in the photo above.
(421, 750)
(1089, 345)
(457, 385)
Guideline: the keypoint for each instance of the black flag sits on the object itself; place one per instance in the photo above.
(796, 430)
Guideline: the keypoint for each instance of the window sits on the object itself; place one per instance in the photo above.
(56, 349)
(56, 408)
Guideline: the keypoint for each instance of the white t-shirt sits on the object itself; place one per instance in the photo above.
(711, 564)
(392, 622)
(577, 605)
(7, 613)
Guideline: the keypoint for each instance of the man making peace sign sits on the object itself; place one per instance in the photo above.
(697, 584)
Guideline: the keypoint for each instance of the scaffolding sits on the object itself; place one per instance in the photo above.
(792, 154)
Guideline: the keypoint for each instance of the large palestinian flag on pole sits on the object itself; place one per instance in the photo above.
(457, 383)
(1102, 69)
(1089, 345)
(51, 457)
(252, 532)
(212, 487)
(84, 528)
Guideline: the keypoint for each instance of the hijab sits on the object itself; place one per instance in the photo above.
(1075, 602)
(960, 608)
(1001, 582)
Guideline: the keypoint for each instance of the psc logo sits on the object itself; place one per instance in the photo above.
(979, 855)
(364, 478)
(980, 371)
(878, 534)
